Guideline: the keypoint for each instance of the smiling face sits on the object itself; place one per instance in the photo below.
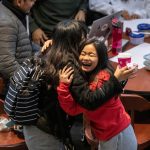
(88, 58)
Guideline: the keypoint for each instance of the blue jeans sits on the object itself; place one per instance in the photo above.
(125, 140)
(36, 139)
(36, 47)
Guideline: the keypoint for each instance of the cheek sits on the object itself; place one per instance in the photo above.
(80, 58)
(95, 62)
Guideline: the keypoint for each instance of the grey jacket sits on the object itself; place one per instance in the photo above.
(15, 44)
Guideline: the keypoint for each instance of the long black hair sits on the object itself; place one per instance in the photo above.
(103, 61)
(67, 36)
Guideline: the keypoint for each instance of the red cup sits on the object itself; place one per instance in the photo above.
(124, 59)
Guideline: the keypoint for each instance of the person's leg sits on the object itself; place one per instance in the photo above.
(125, 140)
(36, 139)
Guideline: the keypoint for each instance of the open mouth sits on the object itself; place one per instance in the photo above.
(86, 64)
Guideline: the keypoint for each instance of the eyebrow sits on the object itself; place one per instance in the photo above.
(88, 52)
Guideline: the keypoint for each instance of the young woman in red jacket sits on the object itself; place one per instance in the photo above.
(110, 123)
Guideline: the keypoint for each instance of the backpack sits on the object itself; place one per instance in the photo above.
(21, 102)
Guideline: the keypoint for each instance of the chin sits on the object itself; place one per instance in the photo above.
(86, 69)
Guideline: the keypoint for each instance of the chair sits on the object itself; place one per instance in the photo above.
(8, 139)
(134, 103)
(1, 86)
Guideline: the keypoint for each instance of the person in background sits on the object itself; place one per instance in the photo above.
(132, 9)
(15, 45)
(110, 123)
(46, 14)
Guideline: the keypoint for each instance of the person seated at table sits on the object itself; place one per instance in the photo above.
(132, 9)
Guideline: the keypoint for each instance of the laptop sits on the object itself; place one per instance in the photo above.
(102, 27)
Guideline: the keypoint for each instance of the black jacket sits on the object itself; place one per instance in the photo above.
(93, 99)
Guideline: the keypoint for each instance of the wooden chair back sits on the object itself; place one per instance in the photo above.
(132, 103)
(1, 85)
(1, 107)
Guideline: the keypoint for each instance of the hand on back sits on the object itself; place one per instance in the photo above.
(47, 44)
(66, 75)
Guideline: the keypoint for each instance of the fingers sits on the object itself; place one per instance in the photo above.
(67, 70)
(63, 70)
(66, 74)
(135, 16)
(43, 38)
(125, 73)
(71, 77)
(46, 45)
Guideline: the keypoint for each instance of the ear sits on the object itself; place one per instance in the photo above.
(18, 2)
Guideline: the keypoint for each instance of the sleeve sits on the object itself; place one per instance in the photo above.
(123, 83)
(101, 6)
(89, 99)
(66, 100)
(8, 42)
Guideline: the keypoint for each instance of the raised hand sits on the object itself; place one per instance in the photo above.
(66, 75)
(125, 72)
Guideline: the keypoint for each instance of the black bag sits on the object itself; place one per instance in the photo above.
(21, 102)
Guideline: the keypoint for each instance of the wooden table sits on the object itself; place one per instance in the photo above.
(9, 140)
(141, 83)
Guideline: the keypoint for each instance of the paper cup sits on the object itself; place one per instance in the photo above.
(124, 59)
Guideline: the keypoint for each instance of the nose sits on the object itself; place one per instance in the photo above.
(86, 57)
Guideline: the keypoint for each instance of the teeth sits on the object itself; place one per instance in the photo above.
(86, 64)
